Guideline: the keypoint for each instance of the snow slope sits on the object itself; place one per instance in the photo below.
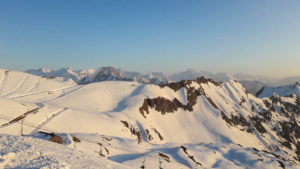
(189, 124)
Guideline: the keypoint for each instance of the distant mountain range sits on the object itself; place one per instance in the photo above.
(252, 83)
(101, 74)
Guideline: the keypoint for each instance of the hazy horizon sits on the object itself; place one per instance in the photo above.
(165, 73)
(253, 37)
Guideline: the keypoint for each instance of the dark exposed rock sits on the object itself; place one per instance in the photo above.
(75, 139)
(159, 135)
(286, 144)
(125, 123)
(281, 164)
(161, 104)
(49, 77)
(237, 121)
(243, 100)
(252, 108)
(276, 98)
(267, 103)
(149, 136)
(107, 152)
(289, 131)
(164, 105)
(205, 80)
(101, 152)
(189, 156)
(135, 131)
(256, 121)
(298, 150)
(267, 114)
(17, 119)
(211, 102)
(56, 139)
(106, 138)
(53, 137)
(260, 92)
(177, 85)
(165, 157)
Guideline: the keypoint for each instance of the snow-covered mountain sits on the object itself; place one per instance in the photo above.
(187, 124)
(287, 90)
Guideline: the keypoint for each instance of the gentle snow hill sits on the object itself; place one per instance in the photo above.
(17, 84)
(150, 126)
(287, 90)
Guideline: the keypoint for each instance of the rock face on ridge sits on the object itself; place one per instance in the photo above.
(278, 114)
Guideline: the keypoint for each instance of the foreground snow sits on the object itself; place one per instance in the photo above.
(31, 152)
(28, 152)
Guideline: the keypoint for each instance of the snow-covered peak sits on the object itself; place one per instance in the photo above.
(287, 90)
(39, 72)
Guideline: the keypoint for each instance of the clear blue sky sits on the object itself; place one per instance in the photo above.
(251, 36)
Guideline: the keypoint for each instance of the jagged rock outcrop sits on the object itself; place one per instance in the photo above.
(276, 113)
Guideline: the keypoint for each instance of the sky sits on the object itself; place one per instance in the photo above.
(235, 36)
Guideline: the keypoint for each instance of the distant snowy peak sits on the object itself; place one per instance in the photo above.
(191, 74)
(63, 72)
(287, 90)
(39, 72)
(106, 74)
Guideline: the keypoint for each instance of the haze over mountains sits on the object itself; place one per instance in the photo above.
(250, 82)
(114, 123)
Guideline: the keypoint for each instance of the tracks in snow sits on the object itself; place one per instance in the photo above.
(3, 79)
(36, 85)
(54, 115)
(54, 90)
(17, 87)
